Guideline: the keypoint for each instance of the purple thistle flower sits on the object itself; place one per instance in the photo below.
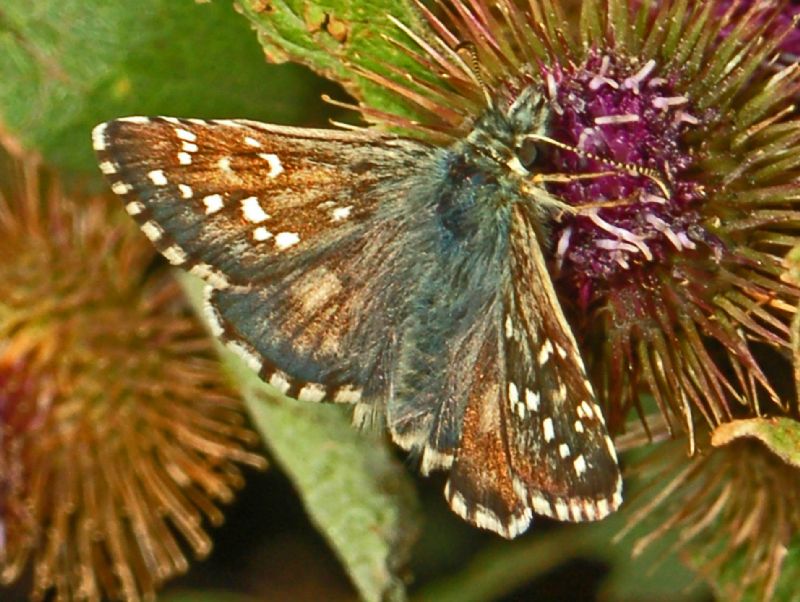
(633, 119)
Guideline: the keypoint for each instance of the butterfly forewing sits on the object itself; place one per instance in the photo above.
(243, 196)
(298, 232)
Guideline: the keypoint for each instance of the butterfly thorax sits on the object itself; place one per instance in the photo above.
(485, 173)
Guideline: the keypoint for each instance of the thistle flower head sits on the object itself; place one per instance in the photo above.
(118, 436)
(680, 157)
(782, 17)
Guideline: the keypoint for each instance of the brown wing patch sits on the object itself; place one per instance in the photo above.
(480, 487)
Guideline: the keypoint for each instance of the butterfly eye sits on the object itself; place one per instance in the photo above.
(530, 152)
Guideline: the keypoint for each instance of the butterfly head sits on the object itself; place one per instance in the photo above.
(504, 139)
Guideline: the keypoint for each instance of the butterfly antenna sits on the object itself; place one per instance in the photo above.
(475, 68)
(634, 170)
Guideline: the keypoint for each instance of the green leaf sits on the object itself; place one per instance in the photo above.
(780, 435)
(358, 495)
(501, 569)
(333, 36)
(66, 65)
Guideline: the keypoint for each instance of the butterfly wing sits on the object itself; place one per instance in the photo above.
(533, 439)
(299, 232)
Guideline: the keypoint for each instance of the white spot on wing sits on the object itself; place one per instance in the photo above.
(152, 230)
(225, 164)
(186, 191)
(185, 135)
(99, 137)
(134, 208)
(457, 502)
(214, 277)
(544, 353)
(547, 426)
(599, 413)
(250, 358)
(611, 449)
(135, 119)
(184, 158)
(563, 450)
(532, 400)
(433, 459)
(212, 316)
(311, 392)
(341, 213)
(348, 394)
(284, 240)
(261, 234)
(562, 510)
(616, 498)
(120, 188)
(275, 167)
(541, 505)
(509, 327)
(561, 393)
(280, 381)
(576, 509)
(250, 141)
(252, 210)
(580, 465)
(157, 177)
(578, 426)
(175, 255)
(108, 167)
(213, 203)
(513, 393)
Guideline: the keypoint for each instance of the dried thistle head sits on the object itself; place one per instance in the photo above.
(119, 437)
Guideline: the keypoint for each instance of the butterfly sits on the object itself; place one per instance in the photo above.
(405, 278)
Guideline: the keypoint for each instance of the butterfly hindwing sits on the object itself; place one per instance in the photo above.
(317, 322)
